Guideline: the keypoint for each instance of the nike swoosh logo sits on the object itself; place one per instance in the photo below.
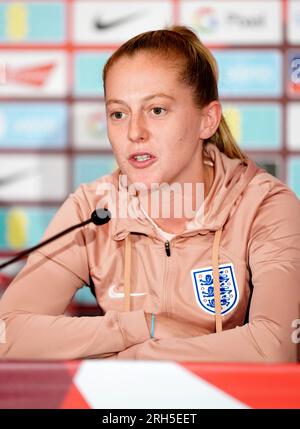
(99, 24)
(31, 75)
(113, 294)
(19, 175)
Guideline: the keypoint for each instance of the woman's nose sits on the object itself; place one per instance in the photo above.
(137, 130)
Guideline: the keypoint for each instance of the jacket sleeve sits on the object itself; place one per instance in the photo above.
(274, 261)
(32, 308)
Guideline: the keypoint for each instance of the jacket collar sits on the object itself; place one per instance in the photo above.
(231, 177)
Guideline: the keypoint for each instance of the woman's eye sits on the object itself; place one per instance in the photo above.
(117, 115)
(159, 111)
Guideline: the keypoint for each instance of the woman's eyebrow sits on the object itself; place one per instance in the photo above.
(147, 98)
(159, 95)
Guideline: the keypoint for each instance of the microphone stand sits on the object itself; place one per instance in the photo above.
(98, 217)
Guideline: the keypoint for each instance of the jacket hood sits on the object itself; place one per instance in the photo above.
(231, 177)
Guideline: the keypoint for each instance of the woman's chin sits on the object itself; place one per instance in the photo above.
(143, 181)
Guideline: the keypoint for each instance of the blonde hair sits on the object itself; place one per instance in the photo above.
(197, 68)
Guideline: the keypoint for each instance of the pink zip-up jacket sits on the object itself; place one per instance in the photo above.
(230, 281)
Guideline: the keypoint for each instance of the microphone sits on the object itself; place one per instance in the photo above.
(98, 217)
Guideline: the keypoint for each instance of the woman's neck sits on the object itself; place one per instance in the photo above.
(171, 207)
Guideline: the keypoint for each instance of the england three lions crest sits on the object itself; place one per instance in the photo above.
(204, 288)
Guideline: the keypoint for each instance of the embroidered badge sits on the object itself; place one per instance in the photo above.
(204, 289)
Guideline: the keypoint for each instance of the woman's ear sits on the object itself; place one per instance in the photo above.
(210, 119)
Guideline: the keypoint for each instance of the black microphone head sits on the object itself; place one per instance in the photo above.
(101, 216)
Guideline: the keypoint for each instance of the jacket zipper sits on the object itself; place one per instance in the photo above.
(167, 247)
(166, 270)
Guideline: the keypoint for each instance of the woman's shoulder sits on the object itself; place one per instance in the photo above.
(91, 192)
(273, 188)
(279, 206)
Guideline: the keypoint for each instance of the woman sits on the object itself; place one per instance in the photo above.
(220, 283)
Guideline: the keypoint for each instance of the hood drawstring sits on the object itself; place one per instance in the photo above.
(127, 272)
(216, 279)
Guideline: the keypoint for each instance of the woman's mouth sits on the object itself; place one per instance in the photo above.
(142, 159)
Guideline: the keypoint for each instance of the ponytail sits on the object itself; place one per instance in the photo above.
(225, 141)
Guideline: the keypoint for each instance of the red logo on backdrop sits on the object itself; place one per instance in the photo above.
(33, 76)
